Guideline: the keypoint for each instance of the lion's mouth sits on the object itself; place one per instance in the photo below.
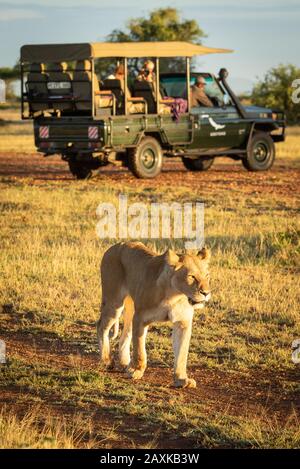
(197, 304)
(200, 303)
(193, 302)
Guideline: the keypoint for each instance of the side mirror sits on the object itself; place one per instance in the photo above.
(223, 74)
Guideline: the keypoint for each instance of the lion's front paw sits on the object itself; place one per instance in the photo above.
(135, 374)
(185, 383)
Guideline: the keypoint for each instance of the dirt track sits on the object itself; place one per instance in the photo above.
(224, 175)
(260, 393)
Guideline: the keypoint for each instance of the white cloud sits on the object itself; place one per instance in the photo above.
(13, 14)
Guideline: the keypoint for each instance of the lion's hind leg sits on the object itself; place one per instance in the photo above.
(110, 314)
(126, 336)
(139, 361)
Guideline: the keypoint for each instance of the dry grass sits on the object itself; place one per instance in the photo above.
(49, 292)
(10, 112)
(40, 431)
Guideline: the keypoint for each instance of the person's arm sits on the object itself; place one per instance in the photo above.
(204, 100)
(194, 97)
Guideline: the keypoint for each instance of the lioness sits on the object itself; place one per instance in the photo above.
(147, 288)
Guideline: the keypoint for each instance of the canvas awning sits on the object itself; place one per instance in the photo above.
(67, 52)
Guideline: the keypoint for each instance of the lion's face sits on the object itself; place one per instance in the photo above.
(191, 275)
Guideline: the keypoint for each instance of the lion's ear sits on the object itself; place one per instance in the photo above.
(171, 257)
(204, 254)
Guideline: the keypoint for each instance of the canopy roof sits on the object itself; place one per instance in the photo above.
(66, 52)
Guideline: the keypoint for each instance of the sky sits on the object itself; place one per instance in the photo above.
(262, 34)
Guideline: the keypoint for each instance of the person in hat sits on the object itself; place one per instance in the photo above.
(198, 95)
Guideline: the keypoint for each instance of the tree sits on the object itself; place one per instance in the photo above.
(163, 24)
(275, 91)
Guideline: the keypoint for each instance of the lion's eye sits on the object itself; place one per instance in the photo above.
(192, 277)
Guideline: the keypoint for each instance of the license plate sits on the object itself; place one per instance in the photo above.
(58, 85)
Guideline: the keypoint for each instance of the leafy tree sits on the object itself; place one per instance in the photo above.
(7, 73)
(275, 91)
(163, 24)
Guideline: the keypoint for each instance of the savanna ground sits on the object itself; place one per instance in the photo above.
(53, 393)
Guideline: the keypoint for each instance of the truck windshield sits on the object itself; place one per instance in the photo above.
(176, 86)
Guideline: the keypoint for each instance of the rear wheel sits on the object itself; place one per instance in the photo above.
(201, 164)
(82, 166)
(79, 170)
(145, 161)
(261, 153)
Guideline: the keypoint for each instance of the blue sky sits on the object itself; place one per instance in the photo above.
(262, 34)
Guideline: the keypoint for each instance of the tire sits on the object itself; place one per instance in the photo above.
(79, 169)
(201, 164)
(261, 153)
(145, 161)
(82, 166)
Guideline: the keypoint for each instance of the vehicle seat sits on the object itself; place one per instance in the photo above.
(143, 89)
(37, 87)
(57, 74)
(82, 87)
(116, 87)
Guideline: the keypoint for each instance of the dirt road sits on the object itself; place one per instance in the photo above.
(224, 175)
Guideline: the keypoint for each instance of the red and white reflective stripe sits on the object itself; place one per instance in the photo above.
(44, 131)
(93, 132)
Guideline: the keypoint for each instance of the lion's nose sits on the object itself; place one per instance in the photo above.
(205, 293)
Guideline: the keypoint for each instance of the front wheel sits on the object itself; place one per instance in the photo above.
(261, 153)
(201, 164)
(145, 161)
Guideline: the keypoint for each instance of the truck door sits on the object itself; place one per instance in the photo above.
(218, 127)
(180, 132)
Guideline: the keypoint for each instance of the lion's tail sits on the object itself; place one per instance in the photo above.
(127, 314)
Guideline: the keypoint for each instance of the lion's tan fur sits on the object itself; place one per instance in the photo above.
(147, 288)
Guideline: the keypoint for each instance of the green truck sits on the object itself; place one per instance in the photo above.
(91, 122)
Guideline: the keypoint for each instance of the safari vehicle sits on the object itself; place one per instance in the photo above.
(91, 122)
